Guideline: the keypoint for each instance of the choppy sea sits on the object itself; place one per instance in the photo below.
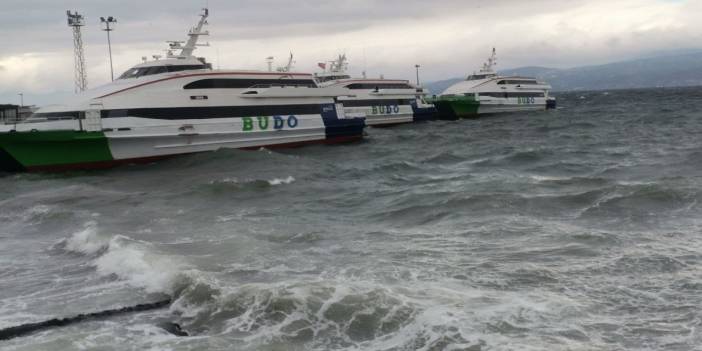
(573, 229)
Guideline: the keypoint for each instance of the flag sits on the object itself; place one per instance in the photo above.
(322, 65)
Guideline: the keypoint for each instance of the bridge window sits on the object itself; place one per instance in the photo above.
(147, 71)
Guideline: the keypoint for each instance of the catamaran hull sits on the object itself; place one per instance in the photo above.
(469, 108)
(62, 150)
(425, 113)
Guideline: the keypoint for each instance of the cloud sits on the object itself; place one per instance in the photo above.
(447, 37)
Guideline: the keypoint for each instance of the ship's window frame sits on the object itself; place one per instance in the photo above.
(239, 83)
(518, 82)
(507, 95)
(378, 102)
(373, 86)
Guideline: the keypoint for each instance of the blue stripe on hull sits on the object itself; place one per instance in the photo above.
(424, 113)
(341, 128)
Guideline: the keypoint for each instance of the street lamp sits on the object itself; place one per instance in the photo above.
(107, 22)
(21, 99)
(417, 67)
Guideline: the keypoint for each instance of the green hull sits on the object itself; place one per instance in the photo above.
(455, 107)
(48, 150)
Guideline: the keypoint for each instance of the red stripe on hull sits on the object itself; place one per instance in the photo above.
(143, 160)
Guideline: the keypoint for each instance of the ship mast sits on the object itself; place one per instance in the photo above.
(194, 34)
(340, 65)
(289, 66)
(488, 67)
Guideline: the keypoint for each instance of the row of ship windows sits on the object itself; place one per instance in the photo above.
(356, 86)
(511, 95)
(219, 83)
(247, 83)
(520, 82)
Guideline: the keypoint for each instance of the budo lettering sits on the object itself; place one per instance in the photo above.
(263, 123)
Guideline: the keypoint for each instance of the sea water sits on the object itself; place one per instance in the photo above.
(573, 229)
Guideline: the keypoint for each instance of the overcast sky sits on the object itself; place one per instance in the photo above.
(448, 38)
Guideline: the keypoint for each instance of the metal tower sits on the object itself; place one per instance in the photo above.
(76, 21)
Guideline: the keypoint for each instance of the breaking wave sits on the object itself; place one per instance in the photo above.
(134, 262)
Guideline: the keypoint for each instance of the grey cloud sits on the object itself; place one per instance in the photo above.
(39, 25)
(247, 29)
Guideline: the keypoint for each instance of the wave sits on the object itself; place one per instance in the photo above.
(568, 126)
(313, 315)
(229, 183)
(86, 241)
(571, 181)
(641, 200)
(350, 315)
(134, 262)
(517, 158)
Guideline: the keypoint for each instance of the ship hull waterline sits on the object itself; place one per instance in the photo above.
(457, 108)
(60, 151)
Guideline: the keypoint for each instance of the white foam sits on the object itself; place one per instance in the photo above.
(86, 241)
(540, 178)
(134, 263)
(278, 181)
(225, 181)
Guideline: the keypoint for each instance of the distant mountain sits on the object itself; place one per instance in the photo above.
(664, 71)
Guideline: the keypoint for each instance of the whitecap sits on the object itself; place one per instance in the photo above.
(138, 266)
(278, 181)
(86, 241)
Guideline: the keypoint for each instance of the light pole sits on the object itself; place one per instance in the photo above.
(21, 99)
(417, 67)
(107, 29)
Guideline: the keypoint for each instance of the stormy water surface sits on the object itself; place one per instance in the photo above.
(572, 229)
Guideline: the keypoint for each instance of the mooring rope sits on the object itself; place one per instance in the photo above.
(22, 330)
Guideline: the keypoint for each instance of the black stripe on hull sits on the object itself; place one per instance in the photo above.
(175, 113)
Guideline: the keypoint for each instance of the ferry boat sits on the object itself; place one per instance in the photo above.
(382, 102)
(174, 106)
(488, 92)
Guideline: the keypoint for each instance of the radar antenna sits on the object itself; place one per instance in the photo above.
(75, 21)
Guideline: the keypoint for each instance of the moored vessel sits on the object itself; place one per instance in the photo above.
(382, 102)
(488, 92)
(174, 106)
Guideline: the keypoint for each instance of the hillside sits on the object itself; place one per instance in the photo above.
(664, 71)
